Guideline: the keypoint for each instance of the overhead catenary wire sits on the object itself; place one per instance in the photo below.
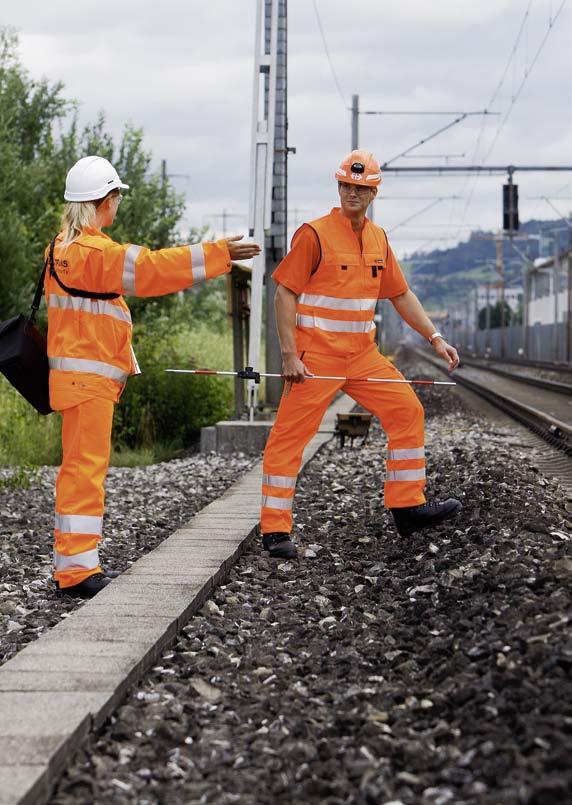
(415, 215)
(558, 212)
(425, 140)
(504, 73)
(527, 73)
(326, 48)
(492, 99)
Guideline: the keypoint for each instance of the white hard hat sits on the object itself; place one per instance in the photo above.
(91, 178)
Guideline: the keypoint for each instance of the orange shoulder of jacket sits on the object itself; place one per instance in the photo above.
(94, 242)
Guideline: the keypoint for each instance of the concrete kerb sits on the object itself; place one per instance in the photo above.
(116, 637)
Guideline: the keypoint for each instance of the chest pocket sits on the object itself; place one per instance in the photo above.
(339, 271)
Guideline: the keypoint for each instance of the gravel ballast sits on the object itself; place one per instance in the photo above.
(374, 669)
(143, 506)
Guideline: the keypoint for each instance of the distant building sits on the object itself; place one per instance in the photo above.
(545, 306)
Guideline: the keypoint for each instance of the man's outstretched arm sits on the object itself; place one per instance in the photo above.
(411, 311)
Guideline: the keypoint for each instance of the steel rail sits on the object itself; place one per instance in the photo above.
(549, 385)
(556, 433)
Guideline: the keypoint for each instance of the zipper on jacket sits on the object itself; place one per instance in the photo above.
(374, 272)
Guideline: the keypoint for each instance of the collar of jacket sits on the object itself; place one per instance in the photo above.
(337, 212)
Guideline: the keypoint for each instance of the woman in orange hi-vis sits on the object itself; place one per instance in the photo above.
(329, 283)
(90, 353)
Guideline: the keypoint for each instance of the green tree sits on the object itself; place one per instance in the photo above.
(33, 165)
(495, 314)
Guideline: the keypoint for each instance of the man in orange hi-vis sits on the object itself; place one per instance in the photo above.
(90, 353)
(328, 287)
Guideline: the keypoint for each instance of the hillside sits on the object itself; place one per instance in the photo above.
(445, 276)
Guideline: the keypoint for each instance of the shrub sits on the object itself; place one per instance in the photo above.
(167, 408)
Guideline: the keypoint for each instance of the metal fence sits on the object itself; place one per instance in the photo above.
(541, 342)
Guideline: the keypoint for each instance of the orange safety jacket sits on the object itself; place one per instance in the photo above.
(336, 302)
(89, 340)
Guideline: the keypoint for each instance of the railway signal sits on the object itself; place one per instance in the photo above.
(510, 222)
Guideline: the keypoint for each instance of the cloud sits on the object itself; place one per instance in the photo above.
(183, 71)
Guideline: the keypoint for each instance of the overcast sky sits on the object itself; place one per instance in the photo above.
(183, 71)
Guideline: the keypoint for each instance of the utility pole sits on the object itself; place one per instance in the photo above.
(267, 208)
(355, 118)
(556, 282)
(224, 216)
(499, 246)
(163, 188)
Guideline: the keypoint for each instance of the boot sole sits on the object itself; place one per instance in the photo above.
(274, 555)
(437, 521)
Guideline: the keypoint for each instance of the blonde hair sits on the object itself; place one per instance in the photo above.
(76, 216)
(79, 214)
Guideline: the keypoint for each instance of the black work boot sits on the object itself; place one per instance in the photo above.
(88, 587)
(415, 518)
(279, 545)
(109, 574)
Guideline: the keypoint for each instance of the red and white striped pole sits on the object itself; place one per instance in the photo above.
(250, 374)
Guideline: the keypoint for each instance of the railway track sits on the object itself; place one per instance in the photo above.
(549, 415)
(517, 373)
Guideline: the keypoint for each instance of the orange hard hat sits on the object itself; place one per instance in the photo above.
(359, 167)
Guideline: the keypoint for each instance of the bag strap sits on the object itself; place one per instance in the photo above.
(38, 295)
(75, 291)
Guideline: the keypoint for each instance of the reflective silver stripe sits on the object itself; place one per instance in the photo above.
(88, 560)
(282, 481)
(79, 524)
(96, 306)
(83, 365)
(276, 503)
(402, 453)
(405, 475)
(335, 303)
(198, 263)
(335, 326)
(131, 256)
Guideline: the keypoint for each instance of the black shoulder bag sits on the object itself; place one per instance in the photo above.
(23, 348)
(24, 354)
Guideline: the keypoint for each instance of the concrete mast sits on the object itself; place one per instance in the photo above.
(276, 240)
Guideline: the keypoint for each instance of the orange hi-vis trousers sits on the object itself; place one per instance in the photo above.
(80, 495)
(299, 415)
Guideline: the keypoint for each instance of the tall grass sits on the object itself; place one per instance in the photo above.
(26, 437)
(185, 403)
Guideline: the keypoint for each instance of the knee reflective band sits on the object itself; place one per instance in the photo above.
(400, 454)
(405, 475)
(277, 501)
(79, 523)
(273, 502)
(87, 560)
(283, 481)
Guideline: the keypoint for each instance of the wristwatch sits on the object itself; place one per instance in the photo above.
(433, 337)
